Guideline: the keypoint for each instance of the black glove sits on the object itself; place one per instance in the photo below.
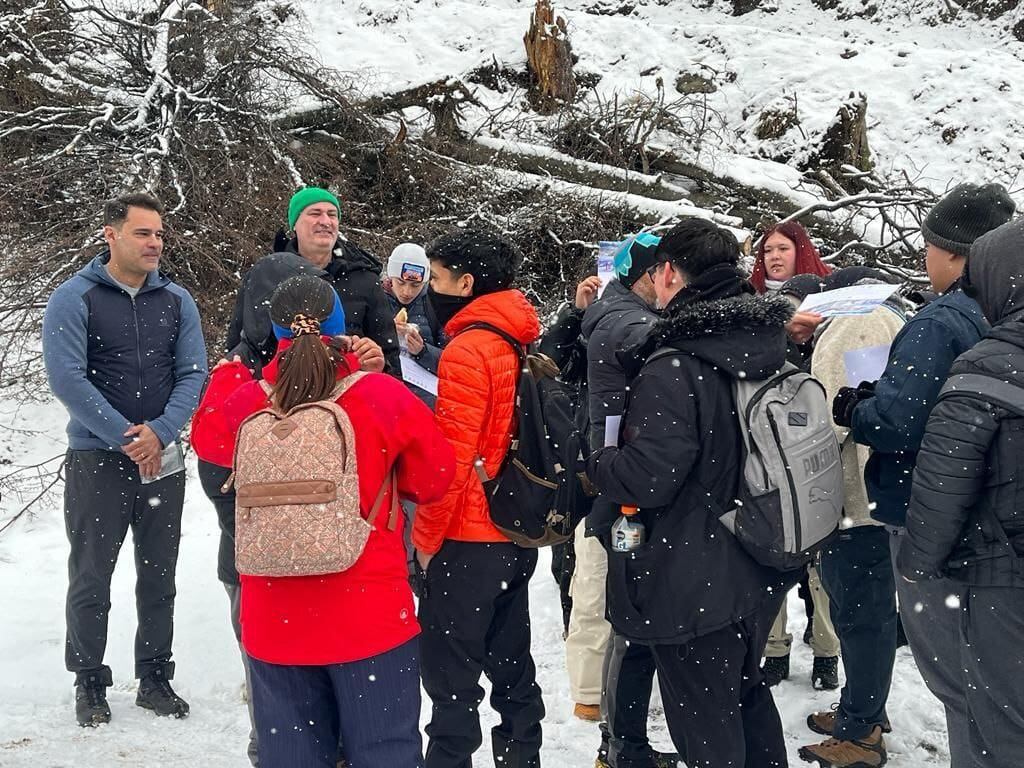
(866, 389)
(845, 402)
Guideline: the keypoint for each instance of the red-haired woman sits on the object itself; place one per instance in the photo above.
(785, 250)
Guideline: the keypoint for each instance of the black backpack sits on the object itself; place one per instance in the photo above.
(541, 490)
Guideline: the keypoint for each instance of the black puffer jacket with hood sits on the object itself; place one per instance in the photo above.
(680, 462)
(966, 513)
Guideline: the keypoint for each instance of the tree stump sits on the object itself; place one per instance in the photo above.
(549, 54)
(846, 141)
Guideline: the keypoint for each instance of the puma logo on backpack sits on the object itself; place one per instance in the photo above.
(296, 477)
(790, 497)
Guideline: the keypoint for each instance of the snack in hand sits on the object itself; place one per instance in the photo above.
(402, 316)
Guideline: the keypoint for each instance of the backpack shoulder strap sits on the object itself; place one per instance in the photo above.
(347, 383)
(512, 340)
(343, 386)
(390, 481)
(664, 352)
(989, 389)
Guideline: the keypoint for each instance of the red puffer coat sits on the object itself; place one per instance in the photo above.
(368, 609)
(475, 407)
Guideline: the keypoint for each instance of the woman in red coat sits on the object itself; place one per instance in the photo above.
(333, 657)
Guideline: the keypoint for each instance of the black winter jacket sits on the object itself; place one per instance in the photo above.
(564, 345)
(355, 275)
(966, 514)
(679, 461)
(969, 480)
(615, 322)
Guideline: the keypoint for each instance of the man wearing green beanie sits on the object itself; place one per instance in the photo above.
(313, 220)
(306, 197)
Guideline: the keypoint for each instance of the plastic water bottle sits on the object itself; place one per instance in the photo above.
(628, 532)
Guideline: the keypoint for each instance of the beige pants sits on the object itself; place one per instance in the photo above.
(588, 635)
(824, 642)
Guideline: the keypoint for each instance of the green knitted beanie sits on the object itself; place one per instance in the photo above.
(306, 197)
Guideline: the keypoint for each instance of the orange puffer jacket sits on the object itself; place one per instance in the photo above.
(475, 407)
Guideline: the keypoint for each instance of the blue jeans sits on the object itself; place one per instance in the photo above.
(371, 706)
(856, 570)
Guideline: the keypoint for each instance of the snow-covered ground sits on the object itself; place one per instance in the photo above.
(37, 726)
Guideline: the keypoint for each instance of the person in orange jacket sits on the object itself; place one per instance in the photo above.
(474, 599)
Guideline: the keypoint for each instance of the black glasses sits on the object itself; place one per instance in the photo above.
(652, 271)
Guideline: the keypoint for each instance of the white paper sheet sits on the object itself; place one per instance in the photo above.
(855, 300)
(606, 262)
(416, 374)
(865, 364)
(611, 431)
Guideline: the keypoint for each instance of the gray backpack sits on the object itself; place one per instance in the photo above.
(790, 499)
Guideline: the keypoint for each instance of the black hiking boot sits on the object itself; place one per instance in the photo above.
(155, 693)
(658, 759)
(776, 669)
(91, 707)
(825, 673)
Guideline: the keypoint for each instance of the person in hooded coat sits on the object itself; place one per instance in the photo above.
(890, 416)
(564, 344)
(964, 521)
(691, 592)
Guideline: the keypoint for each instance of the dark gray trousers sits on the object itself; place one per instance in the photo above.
(930, 611)
(628, 682)
(991, 632)
(103, 498)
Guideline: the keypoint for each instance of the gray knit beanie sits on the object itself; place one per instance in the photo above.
(966, 213)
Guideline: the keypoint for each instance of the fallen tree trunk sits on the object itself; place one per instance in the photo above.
(532, 158)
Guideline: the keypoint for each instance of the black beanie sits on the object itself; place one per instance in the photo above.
(966, 213)
(802, 286)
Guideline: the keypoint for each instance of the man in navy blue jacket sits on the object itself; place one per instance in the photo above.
(890, 418)
(124, 353)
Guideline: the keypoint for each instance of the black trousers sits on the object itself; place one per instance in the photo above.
(212, 478)
(719, 710)
(856, 570)
(475, 617)
(103, 498)
(628, 680)
(563, 563)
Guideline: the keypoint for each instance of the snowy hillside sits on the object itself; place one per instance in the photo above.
(945, 101)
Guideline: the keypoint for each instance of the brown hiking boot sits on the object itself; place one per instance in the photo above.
(589, 712)
(868, 752)
(825, 722)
